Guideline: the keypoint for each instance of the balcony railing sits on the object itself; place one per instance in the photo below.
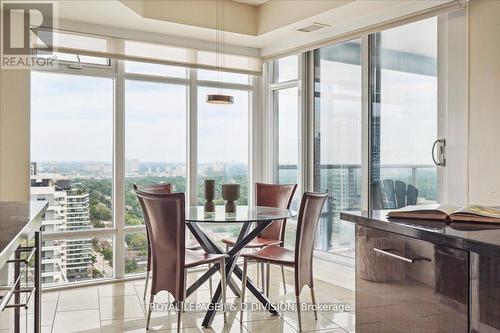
(344, 181)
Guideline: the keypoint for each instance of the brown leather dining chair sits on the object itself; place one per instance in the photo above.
(301, 258)
(191, 245)
(170, 259)
(270, 195)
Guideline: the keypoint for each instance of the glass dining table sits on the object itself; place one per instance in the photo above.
(257, 216)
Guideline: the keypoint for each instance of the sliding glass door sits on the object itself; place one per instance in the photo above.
(404, 115)
(337, 141)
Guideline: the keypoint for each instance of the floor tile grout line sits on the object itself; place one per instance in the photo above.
(55, 312)
(278, 317)
(77, 310)
(323, 315)
(99, 304)
(141, 301)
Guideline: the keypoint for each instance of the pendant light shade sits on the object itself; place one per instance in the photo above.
(220, 99)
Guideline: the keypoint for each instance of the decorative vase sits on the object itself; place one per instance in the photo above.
(209, 195)
(230, 193)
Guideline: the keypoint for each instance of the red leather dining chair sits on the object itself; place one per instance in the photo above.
(170, 259)
(301, 258)
(270, 195)
(191, 245)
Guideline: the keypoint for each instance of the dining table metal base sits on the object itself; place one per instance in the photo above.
(245, 236)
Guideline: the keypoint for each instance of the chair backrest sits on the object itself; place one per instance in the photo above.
(378, 197)
(400, 192)
(157, 188)
(166, 225)
(310, 210)
(411, 195)
(390, 193)
(274, 195)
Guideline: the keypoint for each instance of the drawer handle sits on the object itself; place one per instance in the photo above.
(390, 253)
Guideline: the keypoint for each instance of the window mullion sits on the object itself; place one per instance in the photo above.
(119, 172)
(192, 137)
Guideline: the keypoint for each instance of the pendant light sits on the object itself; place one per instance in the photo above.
(220, 98)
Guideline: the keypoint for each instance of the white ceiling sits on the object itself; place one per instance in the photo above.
(111, 17)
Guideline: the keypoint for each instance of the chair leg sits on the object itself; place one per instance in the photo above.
(263, 276)
(184, 288)
(146, 286)
(210, 282)
(244, 281)
(258, 274)
(151, 299)
(298, 313)
(223, 285)
(313, 299)
(268, 277)
(180, 307)
(283, 275)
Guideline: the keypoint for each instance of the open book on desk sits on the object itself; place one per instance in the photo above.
(471, 213)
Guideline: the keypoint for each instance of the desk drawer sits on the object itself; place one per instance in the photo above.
(407, 285)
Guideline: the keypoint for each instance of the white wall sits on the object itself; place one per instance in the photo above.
(484, 101)
(14, 134)
(453, 120)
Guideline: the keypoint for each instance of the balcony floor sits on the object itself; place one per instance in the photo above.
(118, 307)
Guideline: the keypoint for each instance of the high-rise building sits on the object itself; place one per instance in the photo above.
(63, 260)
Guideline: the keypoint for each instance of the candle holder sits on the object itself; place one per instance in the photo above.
(230, 193)
(209, 195)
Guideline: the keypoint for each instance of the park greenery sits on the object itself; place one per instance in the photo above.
(101, 210)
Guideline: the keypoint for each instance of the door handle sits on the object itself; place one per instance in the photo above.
(441, 159)
(391, 253)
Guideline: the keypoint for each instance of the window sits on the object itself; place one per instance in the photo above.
(136, 253)
(223, 142)
(287, 130)
(91, 140)
(155, 140)
(395, 70)
(337, 141)
(286, 69)
(404, 115)
(71, 154)
(73, 260)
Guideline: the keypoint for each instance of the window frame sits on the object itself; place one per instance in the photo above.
(116, 71)
(272, 156)
(305, 83)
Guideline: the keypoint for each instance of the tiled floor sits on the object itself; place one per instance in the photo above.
(118, 307)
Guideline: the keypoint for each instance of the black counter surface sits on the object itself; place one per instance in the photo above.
(18, 220)
(481, 238)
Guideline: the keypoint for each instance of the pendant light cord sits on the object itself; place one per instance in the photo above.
(220, 39)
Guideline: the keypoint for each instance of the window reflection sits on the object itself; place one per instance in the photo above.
(337, 141)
